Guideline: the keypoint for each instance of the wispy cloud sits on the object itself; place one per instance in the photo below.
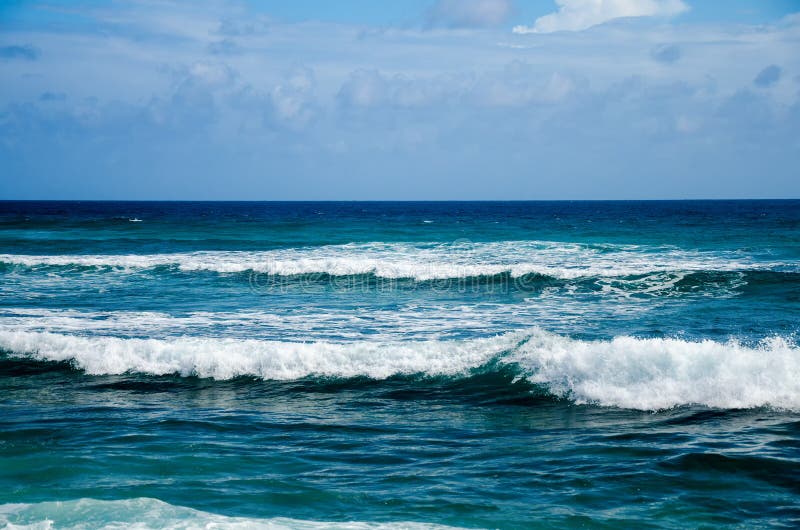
(665, 53)
(768, 76)
(577, 15)
(25, 52)
(470, 13)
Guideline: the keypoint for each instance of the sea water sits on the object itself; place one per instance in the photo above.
(399, 365)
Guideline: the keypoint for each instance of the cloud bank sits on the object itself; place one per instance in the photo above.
(137, 108)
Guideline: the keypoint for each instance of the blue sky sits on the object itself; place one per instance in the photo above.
(420, 99)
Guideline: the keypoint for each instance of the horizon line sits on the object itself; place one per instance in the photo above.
(404, 200)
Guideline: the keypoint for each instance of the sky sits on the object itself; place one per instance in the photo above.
(406, 100)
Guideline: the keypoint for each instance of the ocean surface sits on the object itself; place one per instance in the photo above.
(400, 365)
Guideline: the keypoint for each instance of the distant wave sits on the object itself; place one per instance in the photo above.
(147, 514)
(425, 262)
(628, 372)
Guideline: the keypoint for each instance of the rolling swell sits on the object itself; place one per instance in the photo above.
(243, 360)
(778, 472)
(427, 261)
(493, 384)
(490, 279)
(627, 372)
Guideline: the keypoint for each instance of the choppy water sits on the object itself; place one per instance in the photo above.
(400, 365)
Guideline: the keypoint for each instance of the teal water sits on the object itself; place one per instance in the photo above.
(400, 365)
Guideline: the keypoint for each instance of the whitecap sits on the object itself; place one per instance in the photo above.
(145, 514)
(627, 372)
(430, 261)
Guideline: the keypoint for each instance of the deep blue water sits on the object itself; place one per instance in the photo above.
(479, 365)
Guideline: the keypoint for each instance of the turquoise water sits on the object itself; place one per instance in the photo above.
(400, 365)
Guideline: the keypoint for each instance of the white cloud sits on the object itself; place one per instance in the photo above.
(470, 13)
(292, 100)
(520, 84)
(364, 88)
(419, 108)
(211, 74)
(577, 15)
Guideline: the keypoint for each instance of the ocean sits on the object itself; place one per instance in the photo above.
(382, 365)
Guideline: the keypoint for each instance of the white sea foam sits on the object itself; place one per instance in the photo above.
(146, 514)
(651, 374)
(228, 358)
(428, 261)
(646, 374)
(415, 320)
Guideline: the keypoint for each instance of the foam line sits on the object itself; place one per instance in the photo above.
(146, 514)
(426, 261)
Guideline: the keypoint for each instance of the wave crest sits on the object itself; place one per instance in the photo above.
(426, 261)
(628, 372)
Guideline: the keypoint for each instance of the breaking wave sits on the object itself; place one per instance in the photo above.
(627, 372)
(146, 514)
(430, 261)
